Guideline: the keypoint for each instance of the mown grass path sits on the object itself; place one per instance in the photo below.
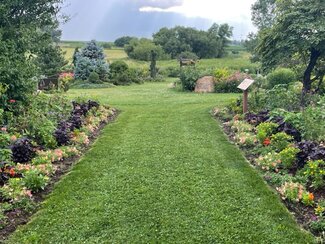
(164, 172)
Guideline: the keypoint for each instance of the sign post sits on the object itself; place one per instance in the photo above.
(244, 87)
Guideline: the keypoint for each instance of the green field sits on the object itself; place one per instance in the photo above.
(236, 62)
(164, 172)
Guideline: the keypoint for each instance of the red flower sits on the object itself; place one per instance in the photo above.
(12, 172)
(267, 142)
(12, 101)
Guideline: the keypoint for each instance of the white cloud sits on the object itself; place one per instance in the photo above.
(159, 4)
(215, 10)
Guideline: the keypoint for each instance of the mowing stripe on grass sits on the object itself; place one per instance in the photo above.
(164, 172)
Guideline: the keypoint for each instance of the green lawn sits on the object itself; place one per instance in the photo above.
(164, 172)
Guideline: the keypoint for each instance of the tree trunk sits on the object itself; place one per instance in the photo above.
(314, 55)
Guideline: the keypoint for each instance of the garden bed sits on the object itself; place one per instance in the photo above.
(27, 180)
(292, 166)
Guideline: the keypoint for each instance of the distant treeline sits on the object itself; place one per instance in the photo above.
(179, 42)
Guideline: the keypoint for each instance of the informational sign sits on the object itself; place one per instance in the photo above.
(245, 84)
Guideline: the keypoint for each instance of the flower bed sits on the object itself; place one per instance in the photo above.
(29, 168)
(294, 167)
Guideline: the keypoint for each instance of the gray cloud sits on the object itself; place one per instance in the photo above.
(164, 4)
(107, 20)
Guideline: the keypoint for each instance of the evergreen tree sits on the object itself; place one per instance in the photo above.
(91, 59)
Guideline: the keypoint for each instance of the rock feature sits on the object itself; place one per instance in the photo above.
(205, 85)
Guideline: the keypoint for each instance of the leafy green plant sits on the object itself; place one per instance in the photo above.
(230, 83)
(172, 71)
(265, 130)
(15, 191)
(188, 77)
(34, 180)
(314, 121)
(320, 209)
(65, 80)
(315, 171)
(241, 126)
(246, 139)
(4, 139)
(42, 131)
(117, 67)
(277, 179)
(5, 155)
(269, 161)
(308, 199)
(221, 74)
(296, 192)
(288, 156)
(282, 97)
(94, 78)
(280, 141)
(281, 76)
(317, 226)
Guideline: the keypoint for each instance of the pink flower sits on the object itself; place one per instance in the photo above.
(4, 129)
(28, 193)
(13, 138)
(12, 101)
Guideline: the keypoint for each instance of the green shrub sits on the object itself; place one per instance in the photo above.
(117, 67)
(94, 78)
(318, 226)
(246, 139)
(188, 55)
(5, 155)
(282, 97)
(41, 130)
(122, 41)
(221, 74)
(230, 83)
(277, 179)
(315, 171)
(172, 71)
(314, 121)
(281, 76)
(241, 126)
(280, 141)
(107, 45)
(65, 80)
(141, 50)
(126, 78)
(34, 180)
(265, 130)
(188, 78)
(288, 156)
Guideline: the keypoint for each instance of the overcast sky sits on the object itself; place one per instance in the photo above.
(106, 20)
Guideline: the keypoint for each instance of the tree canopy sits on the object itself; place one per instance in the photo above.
(205, 44)
(26, 29)
(122, 41)
(140, 49)
(296, 37)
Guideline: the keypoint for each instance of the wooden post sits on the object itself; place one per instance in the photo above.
(245, 102)
(244, 87)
